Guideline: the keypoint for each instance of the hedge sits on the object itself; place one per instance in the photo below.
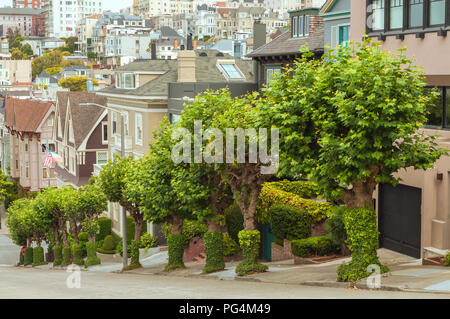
(230, 247)
(66, 256)
(176, 245)
(105, 228)
(318, 246)
(78, 255)
(234, 221)
(38, 256)
(92, 258)
(249, 242)
(134, 255)
(288, 222)
(271, 195)
(108, 246)
(28, 260)
(305, 189)
(58, 256)
(214, 252)
(21, 258)
(447, 260)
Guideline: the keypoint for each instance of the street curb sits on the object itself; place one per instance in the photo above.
(336, 284)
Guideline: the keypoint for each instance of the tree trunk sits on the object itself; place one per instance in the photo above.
(177, 225)
(213, 226)
(361, 194)
(28, 241)
(138, 226)
(56, 234)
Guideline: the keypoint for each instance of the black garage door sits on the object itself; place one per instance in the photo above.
(399, 218)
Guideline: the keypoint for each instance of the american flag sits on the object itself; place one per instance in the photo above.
(48, 161)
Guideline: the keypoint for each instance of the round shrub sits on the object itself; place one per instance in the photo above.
(230, 247)
(28, 260)
(363, 235)
(83, 237)
(58, 256)
(92, 258)
(38, 256)
(214, 252)
(78, 255)
(66, 256)
(290, 223)
(249, 242)
(176, 245)
(147, 241)
(234, 221)
(108, 246)
(105, 228)
(318, 246)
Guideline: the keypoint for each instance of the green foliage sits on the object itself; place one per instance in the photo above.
(38, 256)
(76, 83)
(304, 189)
(363, 237)
(134, 255)
(21, 259)
(249, 242)
(53, 70)
(234, 221)
(176, 245)
(66, 256)
(51, 59)
(193, 228)
(230, 247)
(58, 256)
(447, 260)
(336, 227)
(105, 228)
(314, 246)
(119, 247)
(130, 229)
(28, 260)
(108, 246)
(27, 50)
(78, 255)
(147, 241)
(92, 55)
(214, 252)
(83, 236)
(290, 223)
(18, 55)
(352, 116)
(92, 258)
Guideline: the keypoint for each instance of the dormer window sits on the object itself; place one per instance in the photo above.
(125, 81)
(300, 26)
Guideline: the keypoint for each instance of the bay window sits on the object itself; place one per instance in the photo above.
(415, 12)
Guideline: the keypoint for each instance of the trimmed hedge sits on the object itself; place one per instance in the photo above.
(176, 245)
(66, 256)
(230, 247)
(305, 189)
(318, 246)
(134, 247)
(28, 260)
(363, 237)
(447, 260)
(214, 252)
(271, 195)
(21, 258)
(105, 228)
(38, 256)
(108, 246)
(78, 255)
(288, 222)
(234, 221)
(92, 258)
(58, 256)
(249, 242)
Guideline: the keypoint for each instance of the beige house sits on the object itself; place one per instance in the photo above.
(15, 73)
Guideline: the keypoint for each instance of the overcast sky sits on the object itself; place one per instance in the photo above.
(114, 5)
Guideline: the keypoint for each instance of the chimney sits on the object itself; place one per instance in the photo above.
(259, 34)
(315, 21)
(175, 44)
(186, 66)
(195, 44)
(153, 49)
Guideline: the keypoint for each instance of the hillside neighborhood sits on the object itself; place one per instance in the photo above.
(302, 144)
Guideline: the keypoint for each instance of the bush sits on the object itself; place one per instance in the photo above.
(38, 256)
(66, 256)
(363, 235)
(234, 221)
(147, 241)
(28, 260)
(108, 246)
(305, 189)
(134, 255)
(83, 237)
(105, 228)
(78, 255)
(214, 252)
(230, 247)
(193, 228)
(92, 258)
(290, 223)
(58, 256)
(249, 242)
(447, 260)
(176, 245)
(119, 247)
(336, 227)
(21, 258)
(318, 246)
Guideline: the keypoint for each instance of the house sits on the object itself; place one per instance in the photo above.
(15, 72)
(30, 125)
(81, 136)
(40, 45)
(306, 30)
(336, 20)
(46, 86)
(414, 217)
(147, 91)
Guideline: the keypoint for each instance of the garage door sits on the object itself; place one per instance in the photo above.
(399, 218)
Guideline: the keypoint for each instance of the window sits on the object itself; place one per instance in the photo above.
(306, 25)
(415, 13)
(377, 14)
(114, 123)
(104, 132)
(270, 71)
(396, 14)
(295, 26)
(102, 157)
(301, 22)
(344, 35)
(125, 81)
(174, 118)
(437, 12)
(139, 128)
(439, 111)
(231, 71)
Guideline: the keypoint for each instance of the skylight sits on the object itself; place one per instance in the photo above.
(231, 71)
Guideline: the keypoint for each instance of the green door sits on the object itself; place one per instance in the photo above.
(267, 239)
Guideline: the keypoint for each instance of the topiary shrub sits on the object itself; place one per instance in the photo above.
(363, 235)
(38, 256)
(290, 223)
(78, 255)
(108, 246)
(21, 258)
(58, 256)
(193, 228)
(447, 260)
(92, 258)
(147, 241)
(214, 252)
(230, 247)
(305, 189)
(83, 238)
(134, 255)
(318, 246)
(234, 221)
(28, 259)
(176, 245)
(249, 242)
(66, 256)
(105, 228)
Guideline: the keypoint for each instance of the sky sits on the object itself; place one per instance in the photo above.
(113, 5)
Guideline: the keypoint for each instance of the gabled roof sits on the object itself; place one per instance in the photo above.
(25, 115)
(83, 117)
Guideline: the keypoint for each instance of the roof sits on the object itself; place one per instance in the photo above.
(21, 11)
(285, 45)
(205, 71)
(83, 117)
(25, 115)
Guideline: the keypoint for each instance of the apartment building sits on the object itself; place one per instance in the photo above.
(35, 4)
(18, 18)
(15, 72)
